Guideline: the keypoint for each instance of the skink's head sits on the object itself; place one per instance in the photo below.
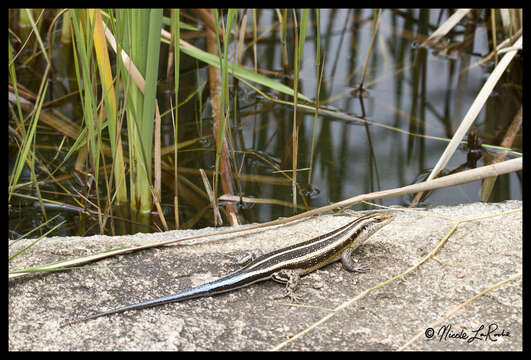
(381, 217)
(371, 223)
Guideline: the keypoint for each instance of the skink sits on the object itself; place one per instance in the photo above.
(284, 265)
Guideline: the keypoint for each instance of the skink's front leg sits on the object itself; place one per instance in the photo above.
(349, 263)
(292, 279)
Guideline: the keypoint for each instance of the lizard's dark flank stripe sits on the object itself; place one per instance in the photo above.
(295, 260)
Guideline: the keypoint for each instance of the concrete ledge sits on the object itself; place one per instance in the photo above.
(478, 255)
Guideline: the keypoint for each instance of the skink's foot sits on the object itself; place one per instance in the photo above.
(292, 279)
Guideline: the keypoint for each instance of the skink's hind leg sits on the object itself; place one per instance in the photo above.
(292, 279)
(350, 264)
(248, 257)
(242, 260)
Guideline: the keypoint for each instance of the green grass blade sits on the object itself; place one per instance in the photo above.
(150, 94)
(37, 34)
(241, 72)
(35, 242)
(23, 154)
(176, 31)
(167, 21)
(302, 33)
(24, 236)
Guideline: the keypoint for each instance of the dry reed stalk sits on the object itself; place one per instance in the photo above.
(215, 95)
(208, 20)
(508, 139)
(473, 111)
(466, 176)
(446, 27)
(211, 196)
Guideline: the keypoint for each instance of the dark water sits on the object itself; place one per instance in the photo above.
(417, 90)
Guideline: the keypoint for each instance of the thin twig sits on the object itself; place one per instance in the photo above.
(445, 181)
